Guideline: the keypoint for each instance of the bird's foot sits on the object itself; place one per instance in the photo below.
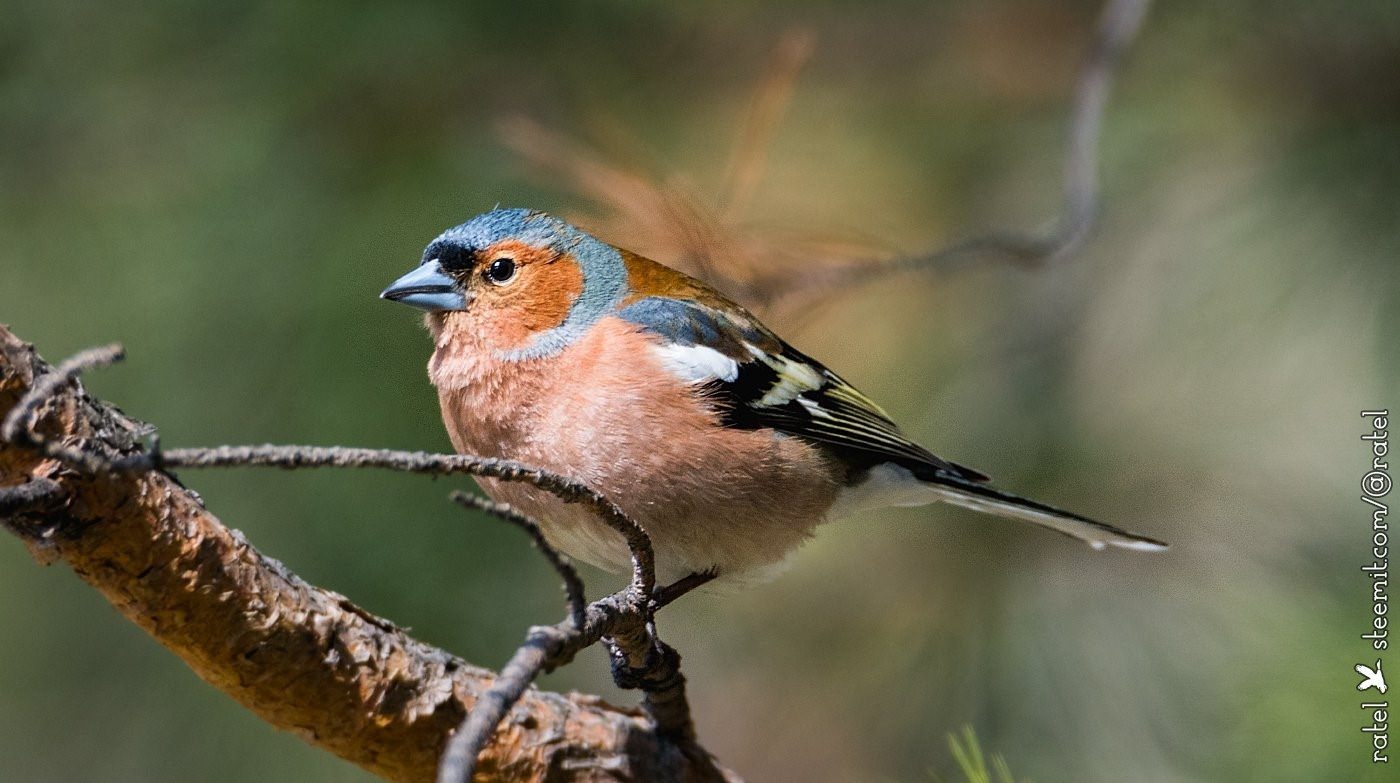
(658, 673)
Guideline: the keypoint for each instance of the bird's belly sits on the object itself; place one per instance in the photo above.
(607, 414)
(738, 543)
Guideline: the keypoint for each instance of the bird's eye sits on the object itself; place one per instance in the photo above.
(501, 271)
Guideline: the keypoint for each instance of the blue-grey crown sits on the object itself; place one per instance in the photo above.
(526, 225)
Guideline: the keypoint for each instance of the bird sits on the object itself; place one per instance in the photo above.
(727, 445)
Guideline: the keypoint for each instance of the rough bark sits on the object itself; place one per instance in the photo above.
(304, 659)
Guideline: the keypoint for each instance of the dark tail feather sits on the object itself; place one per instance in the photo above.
(990, 500)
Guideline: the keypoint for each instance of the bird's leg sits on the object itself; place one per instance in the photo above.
(639, 659)
(631, 655)
(667, 593)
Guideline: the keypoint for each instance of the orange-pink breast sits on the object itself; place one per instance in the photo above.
(605, 411)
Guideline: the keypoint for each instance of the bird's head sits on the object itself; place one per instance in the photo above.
(524, 282)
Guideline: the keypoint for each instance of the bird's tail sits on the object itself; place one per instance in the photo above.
(990, 500)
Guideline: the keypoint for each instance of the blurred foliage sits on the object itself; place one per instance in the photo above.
(972, 762)
(225, 188)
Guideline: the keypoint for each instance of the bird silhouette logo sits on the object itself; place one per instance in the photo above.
(1373, 677)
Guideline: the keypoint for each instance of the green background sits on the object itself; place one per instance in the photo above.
(225, 187)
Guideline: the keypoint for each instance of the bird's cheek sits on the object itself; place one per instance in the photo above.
(486, 322)
(507, 328)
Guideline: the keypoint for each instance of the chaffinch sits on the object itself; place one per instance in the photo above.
(725, 443)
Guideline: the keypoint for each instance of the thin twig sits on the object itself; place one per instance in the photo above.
(458, 761)
(630, 636)
(539, 652)
(641, 659)
(545, 649)
(666, 594)
(18, 427)
(292, 457)
(573, 584)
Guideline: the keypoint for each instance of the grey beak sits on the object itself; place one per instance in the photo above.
(427, 287)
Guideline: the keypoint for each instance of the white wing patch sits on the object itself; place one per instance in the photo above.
(794, 378)
(697, 363)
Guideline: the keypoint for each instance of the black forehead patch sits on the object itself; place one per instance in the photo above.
(453, 256)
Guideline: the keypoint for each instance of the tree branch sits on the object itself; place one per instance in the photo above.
(573, 585)
(1118, 26)
(304, 659)
(294, 457)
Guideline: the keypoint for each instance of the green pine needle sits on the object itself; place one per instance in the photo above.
(967, 752)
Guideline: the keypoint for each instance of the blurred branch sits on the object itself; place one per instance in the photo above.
(661, 217)
(667, 219)
(770, 104)
(1118, 26)
(76, 485)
